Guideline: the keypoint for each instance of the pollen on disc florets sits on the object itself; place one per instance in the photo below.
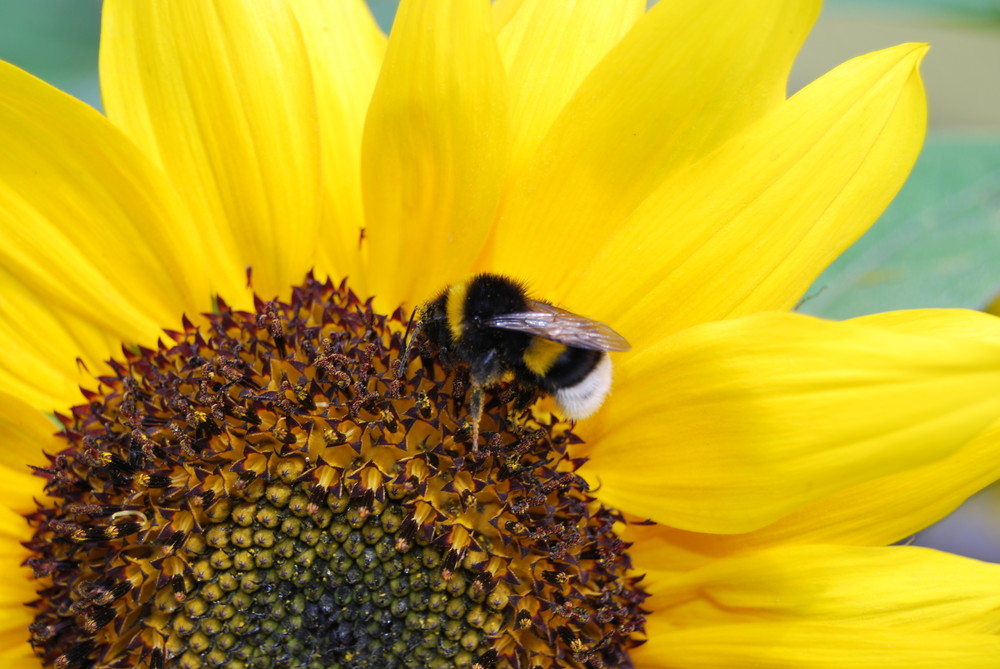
(273, 489)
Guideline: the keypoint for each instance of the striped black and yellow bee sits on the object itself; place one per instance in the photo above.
(489, 323)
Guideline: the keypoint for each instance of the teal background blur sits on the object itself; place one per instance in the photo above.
(938, 244)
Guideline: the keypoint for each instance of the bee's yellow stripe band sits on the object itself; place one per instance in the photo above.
(456, 308)
(541, 354)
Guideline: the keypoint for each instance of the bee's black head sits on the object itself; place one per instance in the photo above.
(433, 321)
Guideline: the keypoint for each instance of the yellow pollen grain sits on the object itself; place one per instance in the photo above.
(541, 354)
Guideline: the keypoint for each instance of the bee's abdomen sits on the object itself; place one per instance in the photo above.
(584, 397)
(571, 367)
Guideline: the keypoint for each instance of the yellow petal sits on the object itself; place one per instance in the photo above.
(902, 587)
(345, 53)
(504, 11)
(749, 227)
(20, 656)
(810, 646)
(660, 547)
(25, 432)
(728, 426)
(434, 147)
(682, 81)
(85, 215)
(19, 587)
(952, 323)
(873, 513)
(221, 95)
(21, 488)
(38, 361)
(547, 49)
(18, 653)
(893, 507)
(15, 616)
(97, 247)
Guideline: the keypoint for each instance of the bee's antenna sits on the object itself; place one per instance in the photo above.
(412, 330)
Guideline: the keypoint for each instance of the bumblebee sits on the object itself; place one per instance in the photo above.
(489, 323)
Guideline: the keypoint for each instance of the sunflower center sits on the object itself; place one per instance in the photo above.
(277, 489)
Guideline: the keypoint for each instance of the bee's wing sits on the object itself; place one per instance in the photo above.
(550, 322)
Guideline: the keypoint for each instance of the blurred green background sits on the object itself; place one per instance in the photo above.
(938, 244)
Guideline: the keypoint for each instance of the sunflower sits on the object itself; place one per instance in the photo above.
(256, 474)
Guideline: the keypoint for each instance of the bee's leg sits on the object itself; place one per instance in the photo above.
(412, 330)
(476, 412)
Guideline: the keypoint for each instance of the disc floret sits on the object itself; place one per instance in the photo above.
(276, 488)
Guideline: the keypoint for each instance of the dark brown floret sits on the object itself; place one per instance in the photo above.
(271, 489)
